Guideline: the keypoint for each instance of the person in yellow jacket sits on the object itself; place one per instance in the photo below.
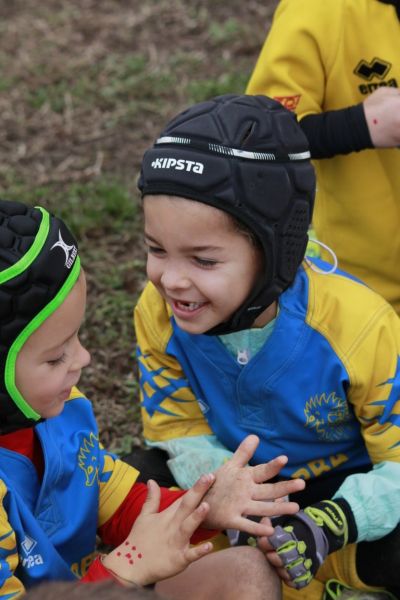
(336, 63)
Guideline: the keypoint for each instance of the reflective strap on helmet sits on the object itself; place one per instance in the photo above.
(9, 374)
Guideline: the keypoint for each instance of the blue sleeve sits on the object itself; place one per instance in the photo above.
(192, 456)
(374, 498)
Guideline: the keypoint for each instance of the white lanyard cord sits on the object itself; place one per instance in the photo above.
(331, 252)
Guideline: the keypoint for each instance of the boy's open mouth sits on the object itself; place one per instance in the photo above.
(186, 309)
(188, 306)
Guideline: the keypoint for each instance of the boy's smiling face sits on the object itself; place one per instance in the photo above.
(199, 262)
(51, 360)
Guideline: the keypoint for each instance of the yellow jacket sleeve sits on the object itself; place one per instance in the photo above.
(298, 53)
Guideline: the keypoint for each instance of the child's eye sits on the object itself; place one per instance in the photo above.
(205, 262)
(154, 250)
(57, 361)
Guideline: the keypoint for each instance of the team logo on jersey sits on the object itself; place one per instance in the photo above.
(376, 69)
(88, 460)
(329, 416)
(69, 251)
(29, 559)
(28, 544)
(289, 102)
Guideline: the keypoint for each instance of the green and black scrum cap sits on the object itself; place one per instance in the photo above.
(39, 265)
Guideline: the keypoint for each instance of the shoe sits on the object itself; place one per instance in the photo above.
(335, 590)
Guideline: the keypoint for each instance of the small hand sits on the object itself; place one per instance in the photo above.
(273, 557)
(303, 541)
(239, 491)
(158, 545)
(382, 113)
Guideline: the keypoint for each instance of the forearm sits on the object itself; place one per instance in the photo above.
(374, 500)
(366, 507)
(337, 132)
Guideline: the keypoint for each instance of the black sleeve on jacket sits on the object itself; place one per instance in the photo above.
(396, 4)
(337, 132)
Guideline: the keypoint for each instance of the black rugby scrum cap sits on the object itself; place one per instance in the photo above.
(247, 156)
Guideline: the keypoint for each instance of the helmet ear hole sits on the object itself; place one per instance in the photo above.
(247, 135)
(291, 249)
(294, 240)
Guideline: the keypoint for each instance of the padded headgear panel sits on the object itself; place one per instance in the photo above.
(247, 156)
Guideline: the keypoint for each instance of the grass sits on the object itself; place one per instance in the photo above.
(227, 83)
(107, 84)
(103, 205)
(225, 32)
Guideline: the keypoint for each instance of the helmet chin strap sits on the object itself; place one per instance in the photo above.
(261, 299)
(244, 317)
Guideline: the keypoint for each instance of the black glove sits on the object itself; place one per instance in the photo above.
(305, 539)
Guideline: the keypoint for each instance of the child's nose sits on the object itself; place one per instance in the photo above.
(174, 278)
(81, 358)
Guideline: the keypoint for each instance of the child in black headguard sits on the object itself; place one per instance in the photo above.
(238, 333)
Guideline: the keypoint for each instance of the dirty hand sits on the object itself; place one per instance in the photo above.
(239, 490)
(158, 545)
(273, 557)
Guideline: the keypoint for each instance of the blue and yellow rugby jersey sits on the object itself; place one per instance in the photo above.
(324, 389)
(48, 529)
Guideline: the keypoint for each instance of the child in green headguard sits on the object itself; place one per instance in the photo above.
(59, 488)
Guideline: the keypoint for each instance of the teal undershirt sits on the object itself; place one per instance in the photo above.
(243, 345)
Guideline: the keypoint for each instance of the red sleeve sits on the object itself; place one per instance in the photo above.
(117, 528)
(96, 572)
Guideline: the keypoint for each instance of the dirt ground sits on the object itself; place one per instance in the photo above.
(85, 86)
